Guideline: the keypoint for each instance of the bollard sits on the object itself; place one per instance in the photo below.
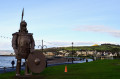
(4, 69)
(68, 59)
(65, 68)
(86, 59)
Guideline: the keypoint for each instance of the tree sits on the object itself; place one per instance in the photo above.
(115, 50)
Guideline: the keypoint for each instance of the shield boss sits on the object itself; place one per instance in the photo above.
(36, 61)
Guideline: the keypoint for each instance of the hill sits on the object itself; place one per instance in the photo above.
(6, 52)
(99, 48)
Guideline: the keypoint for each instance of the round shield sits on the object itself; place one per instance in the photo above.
(36, 61)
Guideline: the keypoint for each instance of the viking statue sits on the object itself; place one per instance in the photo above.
(23, 44)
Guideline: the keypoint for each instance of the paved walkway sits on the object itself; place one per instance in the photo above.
(53, 63)
(10, 69)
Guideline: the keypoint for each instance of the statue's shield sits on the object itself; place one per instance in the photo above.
(36, 61)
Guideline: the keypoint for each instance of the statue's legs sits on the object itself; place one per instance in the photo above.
(18, 67)
(26, 68)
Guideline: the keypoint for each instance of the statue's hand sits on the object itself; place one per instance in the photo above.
(31, 50)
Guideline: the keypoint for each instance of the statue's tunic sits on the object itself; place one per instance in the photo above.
(23, 42)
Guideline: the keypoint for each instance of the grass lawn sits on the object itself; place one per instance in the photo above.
(100, 69)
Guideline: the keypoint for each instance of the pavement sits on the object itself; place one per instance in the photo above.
(10, 69)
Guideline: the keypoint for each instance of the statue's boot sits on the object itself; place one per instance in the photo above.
(17, 74)
(18, 67)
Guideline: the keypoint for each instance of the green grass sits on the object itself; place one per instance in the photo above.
(100, 69)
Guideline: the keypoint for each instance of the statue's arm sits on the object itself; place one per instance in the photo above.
(32, 43)
(14, 43)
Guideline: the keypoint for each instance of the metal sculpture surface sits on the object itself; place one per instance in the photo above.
(23, 44)
(36, 61)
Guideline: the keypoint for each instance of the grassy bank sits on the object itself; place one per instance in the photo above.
(100, 69)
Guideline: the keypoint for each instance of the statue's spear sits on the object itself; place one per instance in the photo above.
(22, 14)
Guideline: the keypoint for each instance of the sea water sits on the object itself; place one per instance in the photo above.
(5, 61)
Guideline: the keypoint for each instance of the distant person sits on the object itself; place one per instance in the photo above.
(13, 62)
(46, 63)
(86, 59)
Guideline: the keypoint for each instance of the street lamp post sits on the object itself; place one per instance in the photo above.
(56, 51)
(72, 52)
(42, 46)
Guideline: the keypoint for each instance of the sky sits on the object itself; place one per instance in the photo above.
(61, 22)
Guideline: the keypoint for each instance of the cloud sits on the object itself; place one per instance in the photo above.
(5, 45)
(99, 28)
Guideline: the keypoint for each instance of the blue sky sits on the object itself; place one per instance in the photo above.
(60, 22)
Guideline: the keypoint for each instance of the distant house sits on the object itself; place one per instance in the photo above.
(84, 53)
(49, 53)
